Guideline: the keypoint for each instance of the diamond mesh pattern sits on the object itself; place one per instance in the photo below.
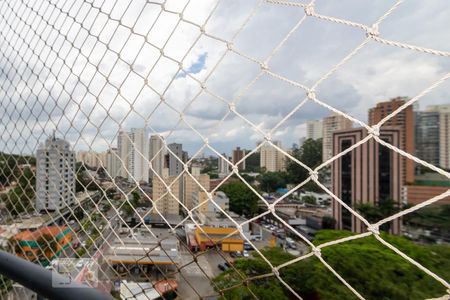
(85, 69)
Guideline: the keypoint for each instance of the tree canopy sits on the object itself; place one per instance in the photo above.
(252, 163)
(271, 181)
(20, 198)
(309, 199)
(9, 166)
(378, 211)
(372, 269)
(242, 199)
(310, 153)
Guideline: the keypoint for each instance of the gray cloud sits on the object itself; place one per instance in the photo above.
(118, 99)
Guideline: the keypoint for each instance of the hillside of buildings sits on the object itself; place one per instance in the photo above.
(11, 165)
(368, 266)
(17, 181)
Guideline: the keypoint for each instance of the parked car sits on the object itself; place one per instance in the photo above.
(238, 254)
(245, 253)
(255, 238)
(281, 235)
(222, 267)
(248, 247)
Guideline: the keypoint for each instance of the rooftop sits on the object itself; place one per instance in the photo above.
(144, 250)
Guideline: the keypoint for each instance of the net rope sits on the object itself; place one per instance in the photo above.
(49, 52)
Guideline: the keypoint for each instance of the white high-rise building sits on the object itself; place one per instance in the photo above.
(444, 133)
(123, 150)
(314, 129)
(112, 162)
(224, 167)
(331, 124)
(271, 158)
(55, 175)
(133, 148)
(156, 155)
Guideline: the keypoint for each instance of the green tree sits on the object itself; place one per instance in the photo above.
(252, 163)
(309, 200)
(242, 199)
(83, 180)
(310, 154)
(371, 268)
(248, 178)
(9, 163)
(328, 222)
(136, 198)
(19, 199)
(271, 181)
(382, 209)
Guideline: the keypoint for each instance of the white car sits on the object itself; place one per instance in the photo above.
(256, 238)
(245, 253)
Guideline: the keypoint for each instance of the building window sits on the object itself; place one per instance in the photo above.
(384, 175)
(346, 185)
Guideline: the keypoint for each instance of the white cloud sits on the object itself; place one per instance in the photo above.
(100, 89)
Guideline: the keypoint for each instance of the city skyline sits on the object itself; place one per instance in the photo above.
(327, 125)
(194, 147)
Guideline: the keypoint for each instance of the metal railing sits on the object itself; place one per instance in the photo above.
(45, 283)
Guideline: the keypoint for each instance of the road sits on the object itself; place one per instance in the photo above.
(267, 236)
(195, 278)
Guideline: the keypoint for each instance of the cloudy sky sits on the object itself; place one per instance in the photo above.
(89, 69)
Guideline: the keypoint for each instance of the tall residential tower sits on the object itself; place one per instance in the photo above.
(55, 175)
(405, 121)
(238, 154)
(314, 129)
(156, 155)
(133, 148)
(271, 159)
(444, 133)
(331, 124)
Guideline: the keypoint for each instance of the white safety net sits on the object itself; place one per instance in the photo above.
(88, 71)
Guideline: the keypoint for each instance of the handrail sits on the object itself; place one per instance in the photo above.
(41, 281)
